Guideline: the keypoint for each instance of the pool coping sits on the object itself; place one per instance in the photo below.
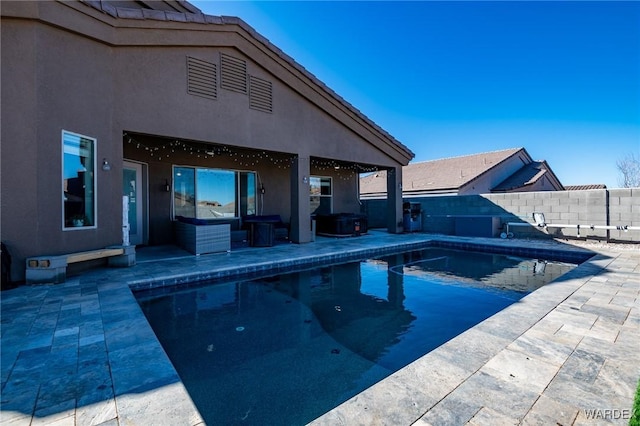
(146, 388)
(275, 267)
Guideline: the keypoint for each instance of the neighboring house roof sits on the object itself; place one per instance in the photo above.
(183, 12)
(445, 175)
(451, 175)
(585, 187)
(528, 175)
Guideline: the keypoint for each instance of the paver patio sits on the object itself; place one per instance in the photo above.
(83, 353)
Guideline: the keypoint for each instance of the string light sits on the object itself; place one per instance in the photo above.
(164, 151)
(343, 171)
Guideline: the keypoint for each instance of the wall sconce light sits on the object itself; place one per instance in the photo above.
(305, 179)
(167, 186)
(105, 165)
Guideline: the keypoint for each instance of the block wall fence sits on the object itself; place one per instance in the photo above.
(601, 207)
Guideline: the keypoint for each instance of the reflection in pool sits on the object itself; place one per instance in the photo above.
(286, 349)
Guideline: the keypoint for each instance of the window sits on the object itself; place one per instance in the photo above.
(203, 193)
(320, 193)
(78, 180)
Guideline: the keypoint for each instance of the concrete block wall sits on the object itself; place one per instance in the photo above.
(615, 207)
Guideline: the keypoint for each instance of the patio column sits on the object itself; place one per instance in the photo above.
(394, 200)
(300, 204)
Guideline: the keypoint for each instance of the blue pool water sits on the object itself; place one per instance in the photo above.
(286, 349)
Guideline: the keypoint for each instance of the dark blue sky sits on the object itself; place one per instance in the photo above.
(561, 79)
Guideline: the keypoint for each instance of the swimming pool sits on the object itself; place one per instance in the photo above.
(286, 349)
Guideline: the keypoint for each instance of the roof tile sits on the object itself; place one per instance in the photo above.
(157, 15)
(176, 16)
(442, 175)
(195, 17)
(585, 187)
(126, 13)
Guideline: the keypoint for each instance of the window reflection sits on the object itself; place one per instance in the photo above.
(78, 179)
(320, 195)
(184, 194)
(213, 193)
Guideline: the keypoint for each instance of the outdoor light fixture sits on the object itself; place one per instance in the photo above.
(105, 165)
(167, 185)
(305, 179)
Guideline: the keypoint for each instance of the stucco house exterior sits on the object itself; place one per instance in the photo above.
(509, 170)
(187, 114)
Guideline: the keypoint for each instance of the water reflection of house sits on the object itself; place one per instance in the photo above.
(172, 90)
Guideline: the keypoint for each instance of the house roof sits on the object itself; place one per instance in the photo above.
(179, 6)
(585, 187)
(529, 174)
(180, 11)
(440, 176)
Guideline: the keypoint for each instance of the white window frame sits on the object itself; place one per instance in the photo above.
(94, 142)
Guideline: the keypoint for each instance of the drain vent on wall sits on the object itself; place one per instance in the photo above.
(202, 77)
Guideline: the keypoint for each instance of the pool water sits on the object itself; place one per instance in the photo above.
(286, 349)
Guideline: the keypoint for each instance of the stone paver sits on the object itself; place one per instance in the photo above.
(82, 352)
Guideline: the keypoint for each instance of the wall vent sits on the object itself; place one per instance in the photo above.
(202, 78)
(233, 73)
(260, 94)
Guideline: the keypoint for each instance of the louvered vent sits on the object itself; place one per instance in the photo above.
(260, 94)
(202, 77)
(233, 73)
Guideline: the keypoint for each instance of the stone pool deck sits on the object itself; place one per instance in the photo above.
(82, 353)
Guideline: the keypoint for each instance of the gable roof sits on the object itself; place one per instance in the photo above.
(445, 175)
(454, 172)
(528, 175)
(466, 174)
(180, 11)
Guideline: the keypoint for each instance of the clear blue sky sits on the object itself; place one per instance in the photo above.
(561, 79)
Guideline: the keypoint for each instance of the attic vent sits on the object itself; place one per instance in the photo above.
(202, 77)
(260, 94)
(233, 73)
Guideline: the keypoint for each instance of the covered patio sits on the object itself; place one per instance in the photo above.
(212, 183)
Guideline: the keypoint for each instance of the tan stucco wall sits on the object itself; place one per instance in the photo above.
(152, 98)
(67, 66)
(46, 89)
